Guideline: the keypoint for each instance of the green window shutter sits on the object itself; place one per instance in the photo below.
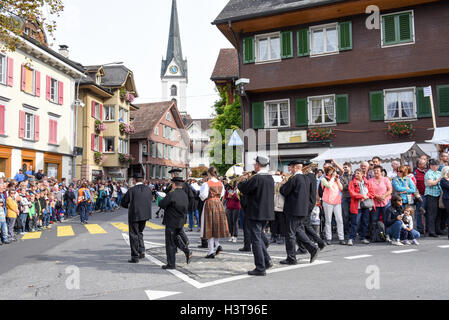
(423, 104)
(302, 118)
(405, 27)
(345, 32)
(303, 42)
(389, 30)
(258, 115)
(376, 99)
(443, 100)
(287, 44)
(248, 50)
(342, 106)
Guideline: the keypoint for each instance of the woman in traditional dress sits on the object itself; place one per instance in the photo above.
(214, 224)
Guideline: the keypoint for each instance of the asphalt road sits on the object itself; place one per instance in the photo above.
(92, 264)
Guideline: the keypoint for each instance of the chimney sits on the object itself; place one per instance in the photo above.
(64, 51)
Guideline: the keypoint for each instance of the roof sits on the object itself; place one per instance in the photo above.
(115, 75)
(440, 136)
(227, 65)
(147, 117)
(204, 123)
(246, 9)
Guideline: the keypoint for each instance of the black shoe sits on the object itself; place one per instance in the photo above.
(301, 251)
(142, 256)
(433, 235)
(322, 246)
(289, 262)
(257, 273)
(201, 246)
(314, 255)
(328, 242)
(273, 240)
(6, 242)
(165, 267)
(268, 264)
(133, 260)
(219, 250)
(342, 242)
(189, 256)
(244, 250)
(210, 256)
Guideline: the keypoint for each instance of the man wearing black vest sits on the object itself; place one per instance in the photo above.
(259, 190)
(138, 202)
(296, 208)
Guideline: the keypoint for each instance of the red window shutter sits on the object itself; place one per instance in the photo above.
(48, 92)
(61, 93)
(55, 131)
(10, 79)
(36, 128)
(38, 84)
(92, 140)
(24, 78)
(50, 131)
(2, 119)
(101, 144)
(101, 112)
(93, 109)
(21, 124)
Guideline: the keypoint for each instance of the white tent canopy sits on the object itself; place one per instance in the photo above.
(440, 136)
(407, 151)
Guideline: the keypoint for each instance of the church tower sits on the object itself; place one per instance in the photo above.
(174, 68)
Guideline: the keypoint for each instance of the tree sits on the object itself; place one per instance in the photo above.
(13, 13)
(227, 116)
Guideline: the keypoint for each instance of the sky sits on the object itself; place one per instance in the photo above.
(135, 32)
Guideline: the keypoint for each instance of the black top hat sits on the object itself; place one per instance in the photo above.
(177, 179)
(175, 170)
(294, 163)
(138, 175)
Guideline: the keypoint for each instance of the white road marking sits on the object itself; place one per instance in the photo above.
(405, 251)
(443, 247)
(154, 295)
(359, 257)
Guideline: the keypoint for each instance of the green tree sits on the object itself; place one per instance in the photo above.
(38, 12)
(227, 116)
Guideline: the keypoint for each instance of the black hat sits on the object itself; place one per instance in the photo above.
(138, 175)
(263, 161)
(177, 179)
(294, 163)
(433, 162)
(175, 170)
(306, 163)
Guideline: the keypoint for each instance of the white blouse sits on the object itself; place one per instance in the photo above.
(204, 192)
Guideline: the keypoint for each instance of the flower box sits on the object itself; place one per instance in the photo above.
(125, 158)
(99, 126)
(126, 128)
(99, 158)
(400, 129)
(320, 134)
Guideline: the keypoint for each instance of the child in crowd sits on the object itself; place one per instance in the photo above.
(32, 214)
(407, 226)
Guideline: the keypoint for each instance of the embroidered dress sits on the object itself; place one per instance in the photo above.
(214, 223)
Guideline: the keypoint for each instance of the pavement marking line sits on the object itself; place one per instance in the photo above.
(155, 295)
(154, 226)
(95, 229)
(200, 285)
(359, 257)
(66, 231)
(443, 247)
(405, 251)
(121, 226)
(32, 235)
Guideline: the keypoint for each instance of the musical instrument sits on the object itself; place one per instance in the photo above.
(238, 179)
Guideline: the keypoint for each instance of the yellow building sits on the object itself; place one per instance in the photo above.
(103, 122)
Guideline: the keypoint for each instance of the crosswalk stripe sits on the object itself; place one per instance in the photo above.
(443, 247)
(121, 226)
(358, 257)
(66, 231)
(95, 229)
(405, 251)
(154, 226)
(32, 235)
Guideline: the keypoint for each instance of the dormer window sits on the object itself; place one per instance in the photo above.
(168, 117)
(98, 79)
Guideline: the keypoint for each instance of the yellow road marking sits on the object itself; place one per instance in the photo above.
(121, 226)
(94, 229)
(66, 231)
(154, 226)
(32, 235)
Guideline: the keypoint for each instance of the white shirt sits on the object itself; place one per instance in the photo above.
(204, 192)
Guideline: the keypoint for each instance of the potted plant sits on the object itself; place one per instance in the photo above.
(126, 95)
(126, 128)
(125, 158)
(400, 129)
(99, 157)
(99, 126)
(320, 134)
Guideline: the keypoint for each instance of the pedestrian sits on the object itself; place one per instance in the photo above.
(420, 173)
(382, 190)
(82, 202)
(393, 221)
(404, 186)
(278, 232)
(232, 211)
(432, 193)
(32, 216)
(175, 206)
(444, 183)
(3, 223)
(407, 232)
(345, 179)
(395, 166)
(19, 177)
(138, 202)
(12, 213)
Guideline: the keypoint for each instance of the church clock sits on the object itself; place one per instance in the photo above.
(173, 69)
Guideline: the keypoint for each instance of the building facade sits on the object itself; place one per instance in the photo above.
(37, 89)
(160, 142)
(323, 80)
(199, 134)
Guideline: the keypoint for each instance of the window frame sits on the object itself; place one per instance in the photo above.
(55, 99)
(32, 122)
(104, 145)
(97, 111)
(156, 130)
(4, 69)
(415, 107)
(398, 43)
(268, 36)
(309, 110)
(33, 85)
(267, 124)
(168, 116)
(121, 115)
(323, 27)
(107, 107)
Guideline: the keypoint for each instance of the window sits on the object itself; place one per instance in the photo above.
(398, 29)
(156, 130)
(29, 126)
(29, 80)
(108, 144)
(144, 148)
(54, 90)
(123, 115)
(277, 114)
(160, 150)
(322, 110)
(123, 146)
(109, 112)
(97, 111)
(324, 39)
(174, 91)
(98, 79)
(97, 143)
(53, 131)
(168, 117)
(400, 104)
(268, 47)
(3, 62)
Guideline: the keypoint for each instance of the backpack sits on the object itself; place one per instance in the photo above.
(86, 195)
(377, 232)
(321, 189)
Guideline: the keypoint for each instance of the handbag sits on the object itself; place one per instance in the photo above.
(410, 199)
(441, 203)
(367, 204)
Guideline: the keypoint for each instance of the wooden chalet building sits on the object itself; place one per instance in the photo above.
(315, 66)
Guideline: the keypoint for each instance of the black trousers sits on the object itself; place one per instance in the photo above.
(431, 213)
(311, 232)
(174, 238)
(136, 238)
(246, 232)
(261, 256)
(296, 231)
(233, 221)
(278, 224)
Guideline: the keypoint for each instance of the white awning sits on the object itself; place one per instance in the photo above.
(386, 152)
(440, 136)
